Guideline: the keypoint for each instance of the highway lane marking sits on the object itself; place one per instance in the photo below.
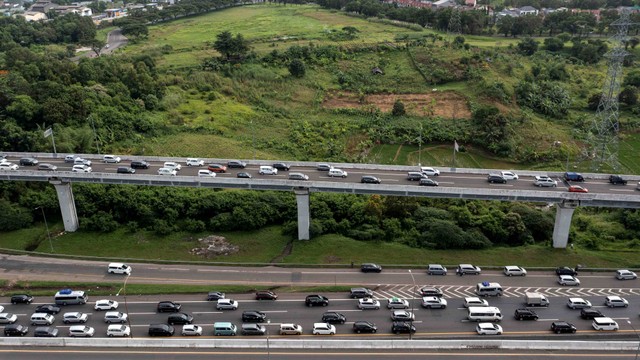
(145, 313)
(548, 320)
(623, 190)
(175, 269)
(208, 312)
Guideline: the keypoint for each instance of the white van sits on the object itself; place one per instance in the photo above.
(206, 173)
(119, 268)
(42, 319)
(488, 289)
(111, 159)
(167, 171)
(604, 323)
(268, 170)
(488, 313)
(172, 165)
(337, 173)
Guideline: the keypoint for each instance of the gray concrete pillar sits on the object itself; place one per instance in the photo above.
(67, 205)
(302, 198)
(564, 213)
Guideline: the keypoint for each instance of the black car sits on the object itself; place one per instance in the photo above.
(368, 179)
(15, 330)
(21, 299)
(281, 166)
(617, 180)
(564, 270)
(364, 327)
(428, 182)
(402, 327)
(415, 176)
(244, 175)
(323, 167)
(253, 329)
(573, 176)
(45, 331)
(180, 318)
(140, 164)
(316, 300)
(360, 293)
(125, 170)
(237, 164)
(48, 309)
(168, 306)
(366, 268)
(525, 314)
(215, 295)
(589, 314)
(562, 327)
(496, 178)
(28, 162)
(266, 295)
(430, 291)
(253, 316)
(332, 317)
(161, 330)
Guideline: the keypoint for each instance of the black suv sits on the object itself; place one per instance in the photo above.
(562, 327)
(21, 299)
(140, 164)
(125, 170)
(430, 291)
(573, 176)
(617, 180)
(215, 295)
(316, 300)
(180, 318)
(48, 309)
(45, 331)
(281, 166)
(237, 164)
(360, 293)
(564, 270)
(402, 327)
(589, 314)
(525, 314)
(28, 162)
(333, 318)
(364, 326)
(161, 330)
(253, 316)
(368, 179)
(370, 268)
(266, 295)
(496, 178)
(415, 176)
(168, 306)
(15, 330)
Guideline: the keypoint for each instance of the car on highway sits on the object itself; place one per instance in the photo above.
(617, 180)
(397, 303)
(244, 175)
(281, 166)
(626, 275)
(253, 329)
(436, 269)
(429, 171)
(81, 331)
(333, 317)
(168, 306)
(615, 301)
(474, 302)
(509, 175)
(51, 167)
(402, 327)
(430, 291)
(578, 303)
(514, 271)
(16, 330)
(565, 270)
(28, 161)
(323, 167)
(360, 293)
(217, 168)
(267, 170)
(161, 330)
(370, 267)
(80, 168)
(21, 299)
(167, 172)
(111, 317)
(544, 181)
(47, 309)
(266, 295)
(226, 304)
(368, 304)
(140, 164)
(578, 189)
(69, 158)
(75, 317)
(106, 305)
(45, 331)
(402, 315)
(9, 166)
(172, 165)
(604, 323)
(590, 314)
(290, 329)
(488, 329)
(464, 269)
(562, 327)
(298, 176)
(323, 329)
(194, 162)
(428, 182)
(81, 161)
(573, 176)
(118, 330)
(125, 170)
(191, 330)
(180, 319)
(370, 179)
(206, 173)
(253, 316)
(415, 176)
(496, 178)
(525, 314)
(8, 318)
(215, 295)
(364, 327)
(568, 280)
(236, 164)
(433, 302)
(111, 159)
(337, 173)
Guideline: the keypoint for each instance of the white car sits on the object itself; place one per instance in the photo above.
(195, 162)
(544, 181)
(167, 171)
(227, 304)
(81, 161)
(616, 301)
(489, 329)
(111, 159)
(8, 318)
(206, 173)
(396, 303)
(172, 165)
(429, 171)
(191, 330)
(70, 158)
(368, 303)
(106, 305)
(323, 329)
(509, 175)
(434, 302)
(514, 270)
(8, 166)
(118, 330)
(75, 317)
(626, 275)
(475, 301)
(578, 303)
(402, 315)
(337, 173)
(568, 280)
(115, 317)
(81, 168)
(1, 308)
(81, 331)
(268, 170)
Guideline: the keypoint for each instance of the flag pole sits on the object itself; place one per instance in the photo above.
(455, 150)
(47, 133)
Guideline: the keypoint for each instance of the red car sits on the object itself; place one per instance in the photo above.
(579, 189)
(217, 168)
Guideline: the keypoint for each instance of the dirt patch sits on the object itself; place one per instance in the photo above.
(332, 259)
(214, 246)
(446, 104)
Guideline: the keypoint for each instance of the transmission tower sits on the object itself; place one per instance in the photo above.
(603, 136)
(455, 27)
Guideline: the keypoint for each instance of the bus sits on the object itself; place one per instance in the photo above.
(70, 297)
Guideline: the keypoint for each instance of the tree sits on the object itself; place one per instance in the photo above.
(297, 68)
(398, 108)
(528, 46)
(629, 96)
(231, 48)
(553, 44)
(135, 30)
(632, 78)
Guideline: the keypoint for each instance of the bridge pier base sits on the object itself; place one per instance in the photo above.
(302, 198)
(67, 205)
(564, 213)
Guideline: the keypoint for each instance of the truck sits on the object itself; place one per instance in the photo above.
(535, 299)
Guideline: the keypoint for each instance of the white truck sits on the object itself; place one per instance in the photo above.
(535, 299)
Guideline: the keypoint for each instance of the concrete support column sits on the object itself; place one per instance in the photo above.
(302, 198)
(564, 213)
(67, 205)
